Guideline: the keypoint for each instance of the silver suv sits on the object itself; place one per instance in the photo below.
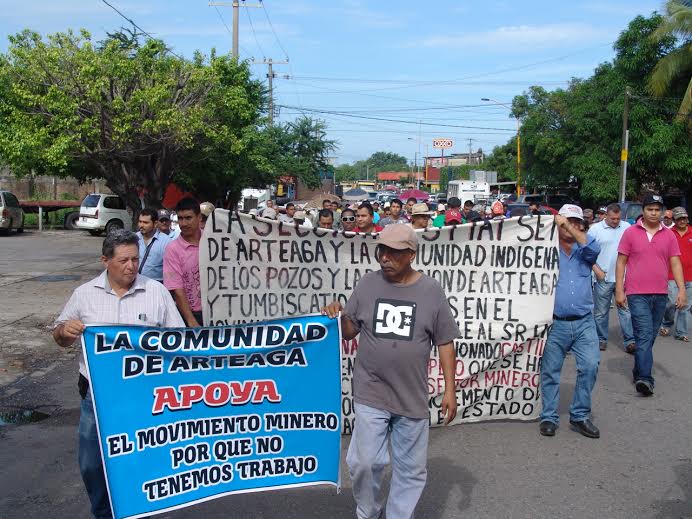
(11, 213)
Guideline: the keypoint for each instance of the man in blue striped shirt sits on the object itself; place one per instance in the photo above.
(152, 245)
(574, 328)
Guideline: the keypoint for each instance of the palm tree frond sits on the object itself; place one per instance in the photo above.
(685, 110)
(669, 67)
(677, 22)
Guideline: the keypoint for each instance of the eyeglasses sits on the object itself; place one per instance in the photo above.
(348, 218)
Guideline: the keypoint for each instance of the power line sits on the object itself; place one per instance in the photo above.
(343, 114)
(278, 41)
(499, 71)
(168, 49)
(249, 17)
(419, 82)
(223, 21)
(351, 92)
(272, 28)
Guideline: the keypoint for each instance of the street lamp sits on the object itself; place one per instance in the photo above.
(518, 141)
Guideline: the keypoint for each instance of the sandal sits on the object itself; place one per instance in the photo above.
(683, 338)
(665, 332)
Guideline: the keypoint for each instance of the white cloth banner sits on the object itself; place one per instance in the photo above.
(499, 277)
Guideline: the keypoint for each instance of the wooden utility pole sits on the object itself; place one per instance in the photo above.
(270, 76)
(236, 19)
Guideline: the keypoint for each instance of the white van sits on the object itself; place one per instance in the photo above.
(464, 190)
(100, 212)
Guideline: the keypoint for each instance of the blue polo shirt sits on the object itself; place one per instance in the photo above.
(573, 296)
(153, 267)
(608, 238)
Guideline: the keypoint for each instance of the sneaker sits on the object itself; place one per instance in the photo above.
(644, 387)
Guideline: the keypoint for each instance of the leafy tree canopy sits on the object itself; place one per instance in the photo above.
(573, 135)
(133, 114)
(376, 163)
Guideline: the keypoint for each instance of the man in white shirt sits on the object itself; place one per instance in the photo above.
(607, 233)
(287, 217)
(117, 296)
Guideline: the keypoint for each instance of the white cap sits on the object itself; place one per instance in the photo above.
(571, 211)
(441, 207)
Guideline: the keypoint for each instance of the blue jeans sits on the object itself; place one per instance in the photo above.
(581, 338)
(368, 456)
(647, 314)
(669, 317)
(90, 463)
(602, 296)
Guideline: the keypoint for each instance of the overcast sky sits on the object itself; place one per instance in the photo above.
(406, 61)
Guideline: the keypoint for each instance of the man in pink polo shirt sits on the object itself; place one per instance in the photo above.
(647, 250)
(181, 263)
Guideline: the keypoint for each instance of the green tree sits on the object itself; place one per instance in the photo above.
(572, 136)
(303, 150)
(346, 173)
(676, 66)
(130, 113)
(503, 159)
(387, 161)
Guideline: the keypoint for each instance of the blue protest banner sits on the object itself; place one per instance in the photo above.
(186, 415)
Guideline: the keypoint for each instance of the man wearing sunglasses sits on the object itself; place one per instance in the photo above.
(348, 220)
(400, 314)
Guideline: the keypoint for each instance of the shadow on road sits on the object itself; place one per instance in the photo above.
(457, 480)
(676, 507)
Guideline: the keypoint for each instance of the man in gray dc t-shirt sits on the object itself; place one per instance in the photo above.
(399, 313)
(398, 325)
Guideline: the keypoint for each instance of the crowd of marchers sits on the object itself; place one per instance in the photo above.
(151, 278)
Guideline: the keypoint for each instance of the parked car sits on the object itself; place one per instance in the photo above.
(554, 201)
(101, 212)
(521, 209)
(630, 211)
(441, 198)
(11, 213)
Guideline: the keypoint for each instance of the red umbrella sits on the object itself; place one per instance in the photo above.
(414, 193)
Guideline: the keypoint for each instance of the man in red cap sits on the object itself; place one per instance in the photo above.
(453, 214)
(400, 314)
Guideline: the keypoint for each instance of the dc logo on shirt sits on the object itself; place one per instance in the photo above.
(394, 319)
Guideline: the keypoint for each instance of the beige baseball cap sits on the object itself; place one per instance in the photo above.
(399, 237)
(421, 208)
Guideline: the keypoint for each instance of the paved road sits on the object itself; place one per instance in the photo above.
(640, 468)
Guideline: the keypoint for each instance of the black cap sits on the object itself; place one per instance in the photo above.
(454, 202)
(651, 199)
